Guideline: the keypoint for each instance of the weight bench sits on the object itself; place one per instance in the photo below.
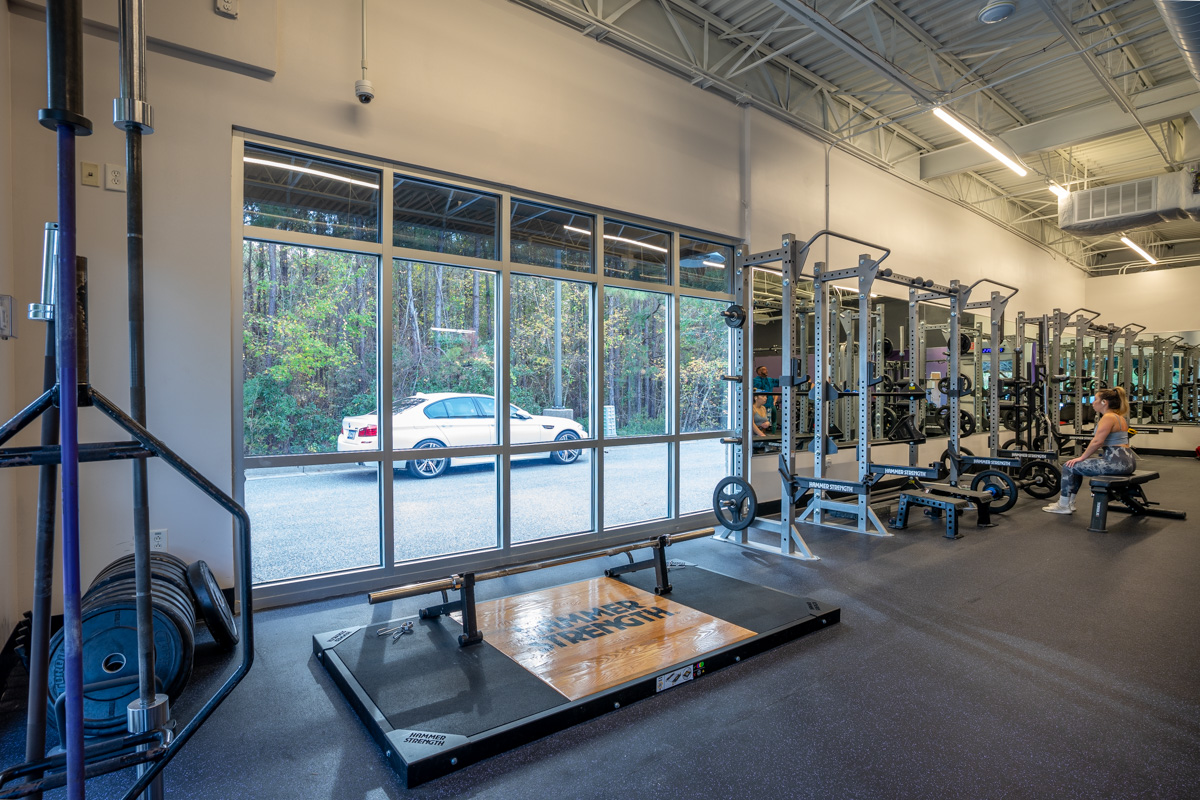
(1126, 490)
(941, 498)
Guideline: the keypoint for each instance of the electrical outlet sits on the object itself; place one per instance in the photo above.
(114, 177)
(89, 174)
(226, 8)
(8, 323)
(158, 539)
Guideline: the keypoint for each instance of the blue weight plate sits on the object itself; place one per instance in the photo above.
(110, 652)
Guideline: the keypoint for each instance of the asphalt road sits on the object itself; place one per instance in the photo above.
(311, 520)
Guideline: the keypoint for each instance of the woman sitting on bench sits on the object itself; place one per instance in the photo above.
(1110, 445)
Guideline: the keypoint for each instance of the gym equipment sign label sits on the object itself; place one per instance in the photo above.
(570, 629)
(589, 636)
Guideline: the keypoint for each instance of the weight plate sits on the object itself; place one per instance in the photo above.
(213, 609)
(160, 573)
(735, 316)
(1001, 487)
(966, 422)
(734, 503)
(163, 595)
(161, 591)
(945, 461)
(110, 652)
(1042, 480)
(165, 563)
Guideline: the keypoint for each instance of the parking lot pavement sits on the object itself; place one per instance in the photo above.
(307, 521)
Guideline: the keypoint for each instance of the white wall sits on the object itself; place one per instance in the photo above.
(483, 89)
(928, 236)
(1162, 300)
(9, 605)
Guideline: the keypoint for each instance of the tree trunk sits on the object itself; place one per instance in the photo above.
(272, 298)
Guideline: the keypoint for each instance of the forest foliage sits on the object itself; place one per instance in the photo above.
(310, 345)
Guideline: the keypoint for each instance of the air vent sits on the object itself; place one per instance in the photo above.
(1117, 201)
(1131, 205)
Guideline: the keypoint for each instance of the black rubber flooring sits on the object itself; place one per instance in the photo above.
(1030, 660)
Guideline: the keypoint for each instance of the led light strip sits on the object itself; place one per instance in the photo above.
(634, 242)
(309, 171)
(945, 117)
(1129, 243)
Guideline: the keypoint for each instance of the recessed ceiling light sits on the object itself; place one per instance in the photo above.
(996, 11)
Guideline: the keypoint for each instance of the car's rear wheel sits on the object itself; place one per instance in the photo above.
(427, 467)
(566, 456)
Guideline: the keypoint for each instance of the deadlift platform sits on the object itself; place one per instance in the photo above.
(550, 659)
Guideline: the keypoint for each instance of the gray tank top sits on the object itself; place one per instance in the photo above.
(1117, 438)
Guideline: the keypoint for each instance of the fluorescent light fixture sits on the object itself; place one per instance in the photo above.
(309, 171)
(1058, 190)
(713, 263)
(633, 242)
(453, 330)
(945, 117)
(1125, 240)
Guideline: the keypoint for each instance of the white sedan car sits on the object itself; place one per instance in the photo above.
(455, 420)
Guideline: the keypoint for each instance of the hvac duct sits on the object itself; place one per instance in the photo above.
(1183, 21)
(1134, 204)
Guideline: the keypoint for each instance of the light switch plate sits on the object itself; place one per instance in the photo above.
(89, 174)
(114, 177)
(8, 323)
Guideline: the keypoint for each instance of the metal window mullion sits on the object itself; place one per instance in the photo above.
(672, 385)
(296, 239)
(384, 323)
(598, 380)
(447, 259)
(237, 323)
(502, 336)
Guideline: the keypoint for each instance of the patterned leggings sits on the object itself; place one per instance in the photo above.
(1110, 461)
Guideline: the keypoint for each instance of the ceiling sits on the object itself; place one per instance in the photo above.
(1086, 93)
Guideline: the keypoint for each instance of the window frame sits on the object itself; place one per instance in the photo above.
(388, 572)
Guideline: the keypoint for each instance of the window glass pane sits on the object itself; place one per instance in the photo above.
(703, 359)
(293, 192)
(551, 495)
(635, 360)
(451, 512)
(310, 520)
(443, 350)
(635, 484)
(703, 467)
(551, 237)
(636, 253)
(308, 348)
(550, 341)
(704, 265)
(444, 219)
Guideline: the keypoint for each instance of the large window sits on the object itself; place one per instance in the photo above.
(308, 346)
(635, 360)
(543, 378)
(444, 219)
(292, 192)
(636, 253)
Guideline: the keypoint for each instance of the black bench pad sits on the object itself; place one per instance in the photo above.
(1117, 481)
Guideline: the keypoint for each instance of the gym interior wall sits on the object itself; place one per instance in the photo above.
(598, 126)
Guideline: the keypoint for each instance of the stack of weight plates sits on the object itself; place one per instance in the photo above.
(110, 655)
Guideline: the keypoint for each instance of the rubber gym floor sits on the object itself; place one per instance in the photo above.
(1029, 660)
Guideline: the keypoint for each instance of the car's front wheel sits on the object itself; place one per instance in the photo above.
(427, 467)
(566, 456)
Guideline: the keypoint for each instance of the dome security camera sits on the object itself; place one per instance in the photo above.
(364, 91)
